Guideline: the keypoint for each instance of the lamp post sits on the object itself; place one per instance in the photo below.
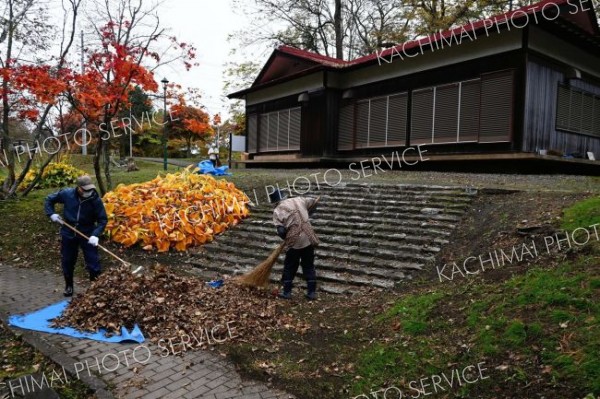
(165, 82)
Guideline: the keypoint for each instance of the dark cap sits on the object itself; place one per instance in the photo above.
(276, 196)
(85, 182)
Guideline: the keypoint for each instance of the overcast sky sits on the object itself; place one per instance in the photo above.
(206, 24)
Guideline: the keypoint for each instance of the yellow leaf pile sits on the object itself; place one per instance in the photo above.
(178, 211)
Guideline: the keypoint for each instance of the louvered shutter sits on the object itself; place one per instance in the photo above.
(596, 116)
(587, 122)
(397, 118)
(575, 118)
(283, 140)
(272, 136)
(446, 114)
(252, 133)
(496, 107)
(378, 122)
(422, 116)
(263, 133)
(362, 123)
(563, 107)
(346, 128)
(470, 93)
(295, 123)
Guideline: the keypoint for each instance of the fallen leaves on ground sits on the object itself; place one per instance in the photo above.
(179, 210)
(166, 305)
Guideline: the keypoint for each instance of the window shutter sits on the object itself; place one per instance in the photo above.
(273, 127)
(252, 133)
(295, 123)
(587, 121)
(496, 107)
(264, 132)
(563, 107)
(575, 111)
(446, 114)
(283, 141)
(362, 124)
(346, 128)
(470, 94)
(397, 119)
(596, 116)
(378, 122)
(422, 116)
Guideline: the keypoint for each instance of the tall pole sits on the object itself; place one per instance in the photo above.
(165, 82)
(130, 135)
(84, 144)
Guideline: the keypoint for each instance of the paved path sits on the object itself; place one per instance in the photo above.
(199, 374)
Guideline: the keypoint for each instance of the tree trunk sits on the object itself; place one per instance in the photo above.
(337, 22)
(97, 171)
(106, 146)
(6, 143)
(189, 146)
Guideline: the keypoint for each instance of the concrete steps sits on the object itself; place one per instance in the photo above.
(372, 235)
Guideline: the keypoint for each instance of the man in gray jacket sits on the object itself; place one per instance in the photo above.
(291, 219)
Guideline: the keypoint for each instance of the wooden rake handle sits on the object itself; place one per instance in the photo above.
(87, 238)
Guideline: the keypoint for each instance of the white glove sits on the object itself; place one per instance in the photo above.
(55, 217)
(93, 241)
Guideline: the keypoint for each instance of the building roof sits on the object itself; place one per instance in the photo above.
(288, 62)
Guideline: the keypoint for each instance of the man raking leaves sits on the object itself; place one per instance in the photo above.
(83, 210)
(291, 220)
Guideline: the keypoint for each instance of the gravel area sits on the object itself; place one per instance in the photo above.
(257, 179)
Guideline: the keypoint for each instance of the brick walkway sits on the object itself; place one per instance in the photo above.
(199, 374)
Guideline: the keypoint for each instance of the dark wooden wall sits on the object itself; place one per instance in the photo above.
(540, 111)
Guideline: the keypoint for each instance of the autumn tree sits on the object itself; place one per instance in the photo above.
(189, 123)
(129, 46)
(32, 80)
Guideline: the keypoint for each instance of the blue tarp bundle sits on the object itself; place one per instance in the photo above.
(207, 168)
(40, 321)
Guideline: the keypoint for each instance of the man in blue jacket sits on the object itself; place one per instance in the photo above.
(84, 210)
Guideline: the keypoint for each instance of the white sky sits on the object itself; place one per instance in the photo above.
(206, 24)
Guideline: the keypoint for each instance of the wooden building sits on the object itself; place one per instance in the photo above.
(503, 88)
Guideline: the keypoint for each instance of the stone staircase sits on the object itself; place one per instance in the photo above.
(371, 235)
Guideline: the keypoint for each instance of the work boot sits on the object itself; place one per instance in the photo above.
(94, 276)
(287, 291)
(68, 291)
(285, 295)
(68, 286)
(311, 288)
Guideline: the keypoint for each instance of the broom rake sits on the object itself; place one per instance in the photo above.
(259, 276)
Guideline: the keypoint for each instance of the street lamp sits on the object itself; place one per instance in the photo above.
(165, 82)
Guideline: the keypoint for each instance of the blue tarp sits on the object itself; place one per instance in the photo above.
(207, 168)
(40, 321)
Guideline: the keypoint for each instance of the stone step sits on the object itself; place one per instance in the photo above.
(416, 235)
(415, 212)
(356, 229)
(389, 196)
(326, 250)
(243, 262)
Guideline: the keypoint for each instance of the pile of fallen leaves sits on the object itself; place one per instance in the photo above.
(166, 305)
(178, 211)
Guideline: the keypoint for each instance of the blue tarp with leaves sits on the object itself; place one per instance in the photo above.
(207, 168)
